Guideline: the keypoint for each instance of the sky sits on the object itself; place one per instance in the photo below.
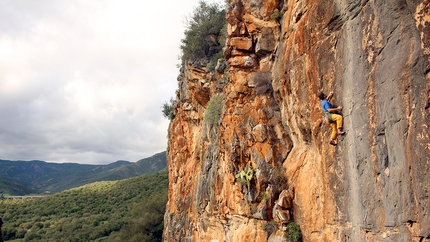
(83, 81)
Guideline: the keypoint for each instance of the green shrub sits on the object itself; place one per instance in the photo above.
(218, 55)
(210, 67)
(245, 176)
(293, 231)
(270, 227)
(203, 31)
(276, 15)
(214, 61)
(263, 196)
(169, 109)
(213, 111)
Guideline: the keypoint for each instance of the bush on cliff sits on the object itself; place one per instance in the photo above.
(293, 232)
(169, 109)
(204, 28)
(213, 111)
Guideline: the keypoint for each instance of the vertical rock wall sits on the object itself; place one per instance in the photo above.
(374, 186)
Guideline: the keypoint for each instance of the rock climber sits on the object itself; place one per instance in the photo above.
(335, 119)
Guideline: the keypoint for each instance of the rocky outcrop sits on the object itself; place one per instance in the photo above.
(262, 115)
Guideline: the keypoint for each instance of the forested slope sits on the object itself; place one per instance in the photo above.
(40, 176)
(124, 210)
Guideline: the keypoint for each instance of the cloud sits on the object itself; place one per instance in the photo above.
(84, 81)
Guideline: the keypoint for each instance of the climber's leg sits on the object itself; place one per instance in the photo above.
(338, 119)
(333, 132)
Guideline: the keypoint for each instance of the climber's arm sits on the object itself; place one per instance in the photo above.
(333, 110)
(330, 95)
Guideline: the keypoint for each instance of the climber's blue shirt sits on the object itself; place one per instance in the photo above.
(325, 105)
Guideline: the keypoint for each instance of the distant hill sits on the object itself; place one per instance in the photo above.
(41, 176)
(10, 186)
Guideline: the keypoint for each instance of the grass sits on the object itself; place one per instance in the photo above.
(213, 111)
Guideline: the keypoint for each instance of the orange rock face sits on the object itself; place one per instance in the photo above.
(373, 186)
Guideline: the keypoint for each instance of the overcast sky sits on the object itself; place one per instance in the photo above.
(83, 81)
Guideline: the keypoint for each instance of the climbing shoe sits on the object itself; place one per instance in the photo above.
(332, 142)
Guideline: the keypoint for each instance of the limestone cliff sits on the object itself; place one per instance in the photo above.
(262, 115)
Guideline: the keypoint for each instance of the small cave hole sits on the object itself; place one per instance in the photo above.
(299, 16)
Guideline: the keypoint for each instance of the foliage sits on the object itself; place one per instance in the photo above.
(210, 67)
(124, 210)
(11, 186)
(276, 15)
(169, 109)
(245, 176)
(294, 232)
(203, 30)
(263, 196)
(214, 62)
(270, 227)
(213, 111)
(218, 55)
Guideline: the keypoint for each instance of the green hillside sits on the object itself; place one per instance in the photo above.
(43, 176)
(10, 186)
(123, 210)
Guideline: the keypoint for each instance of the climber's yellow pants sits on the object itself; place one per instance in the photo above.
(337, 122)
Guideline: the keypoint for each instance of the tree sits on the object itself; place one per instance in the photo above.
(169, 109)
(203, 32)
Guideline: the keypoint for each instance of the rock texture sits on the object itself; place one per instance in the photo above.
(263, 113)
